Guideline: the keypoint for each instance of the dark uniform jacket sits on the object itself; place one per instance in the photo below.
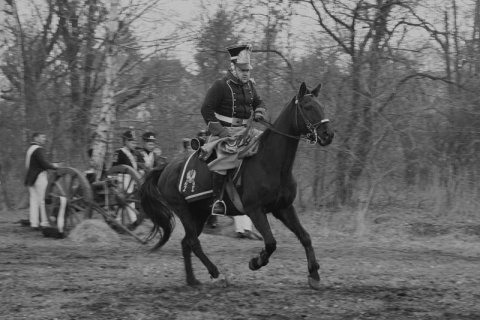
(122, 156)
(231, 98)
(38, 163)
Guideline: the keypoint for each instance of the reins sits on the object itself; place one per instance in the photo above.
(310, 137)
(270, 126)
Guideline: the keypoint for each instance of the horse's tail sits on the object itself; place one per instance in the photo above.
(156, 208)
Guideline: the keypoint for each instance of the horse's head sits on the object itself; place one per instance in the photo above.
(312, 121)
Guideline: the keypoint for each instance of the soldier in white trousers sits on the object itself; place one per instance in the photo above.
(243, 228)
(127, 156)
(36, 180)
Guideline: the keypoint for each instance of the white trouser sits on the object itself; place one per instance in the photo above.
(242, 223)
(61, 214)
(128, 186)
(37, 201)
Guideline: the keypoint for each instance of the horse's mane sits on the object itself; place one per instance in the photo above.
(266, 133)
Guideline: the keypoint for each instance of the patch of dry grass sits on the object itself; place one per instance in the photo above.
(93, 231)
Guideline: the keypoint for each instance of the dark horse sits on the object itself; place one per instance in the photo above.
(268, 186)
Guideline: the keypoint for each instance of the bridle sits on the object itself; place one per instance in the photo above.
(310, 137)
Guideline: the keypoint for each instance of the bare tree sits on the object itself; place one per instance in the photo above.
(106, 117)
(361, 29)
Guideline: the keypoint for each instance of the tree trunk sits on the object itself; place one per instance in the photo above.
(21, 62)
(343, 186)
(70, 30)
(102, 144)
(363, 101)
(89, 69)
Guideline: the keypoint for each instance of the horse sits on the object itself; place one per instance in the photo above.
(268, 187)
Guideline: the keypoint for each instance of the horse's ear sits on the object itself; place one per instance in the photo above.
(316, 91)
(302, 91)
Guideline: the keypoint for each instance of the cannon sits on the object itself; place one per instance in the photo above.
(71, 198)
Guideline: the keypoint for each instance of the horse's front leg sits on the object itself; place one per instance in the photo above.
(290, 219)
(260, 222)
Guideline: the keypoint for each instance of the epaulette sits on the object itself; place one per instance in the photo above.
(252, 80)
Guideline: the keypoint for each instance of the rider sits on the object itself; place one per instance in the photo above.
(145, 156)
(228, 105)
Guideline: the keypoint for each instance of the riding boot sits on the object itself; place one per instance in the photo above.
(212, 221)
(218, 206)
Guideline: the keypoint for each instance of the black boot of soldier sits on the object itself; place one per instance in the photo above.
(212, 222)
(218, 206)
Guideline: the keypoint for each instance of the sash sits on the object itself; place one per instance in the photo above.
(30, 151)
(130, 157)
(149, 159)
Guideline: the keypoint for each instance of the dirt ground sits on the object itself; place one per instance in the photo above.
(420, 274)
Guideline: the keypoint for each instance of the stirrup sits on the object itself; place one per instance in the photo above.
(219, 208)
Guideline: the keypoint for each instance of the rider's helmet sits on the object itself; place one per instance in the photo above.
(240, 55)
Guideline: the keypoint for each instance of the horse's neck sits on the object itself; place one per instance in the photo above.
(279, 150)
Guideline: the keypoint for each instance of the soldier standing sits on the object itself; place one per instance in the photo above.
(36, 180)
(126, 156)
(146, 157)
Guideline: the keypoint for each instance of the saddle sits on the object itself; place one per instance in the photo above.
(196, 181)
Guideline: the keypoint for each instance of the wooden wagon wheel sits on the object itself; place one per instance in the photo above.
(68, 199)
(123, 201)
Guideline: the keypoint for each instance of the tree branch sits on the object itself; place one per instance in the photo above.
(413, 76)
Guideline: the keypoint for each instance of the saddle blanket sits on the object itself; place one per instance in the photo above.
(196, 179)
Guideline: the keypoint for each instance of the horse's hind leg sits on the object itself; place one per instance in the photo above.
(191, 243)
(187, 258)
(290, 219)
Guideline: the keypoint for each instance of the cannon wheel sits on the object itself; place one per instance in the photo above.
(123, 197)
(70, 184)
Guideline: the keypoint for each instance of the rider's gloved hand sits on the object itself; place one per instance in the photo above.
(217, 129)
(260, 114)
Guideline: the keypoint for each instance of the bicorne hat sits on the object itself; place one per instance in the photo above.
(149, 137)
(240, 55)
(129, 135)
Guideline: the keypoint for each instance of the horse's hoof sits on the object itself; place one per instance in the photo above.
(253, 265)
(220, 281)
(314, 284)
(194, 283)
